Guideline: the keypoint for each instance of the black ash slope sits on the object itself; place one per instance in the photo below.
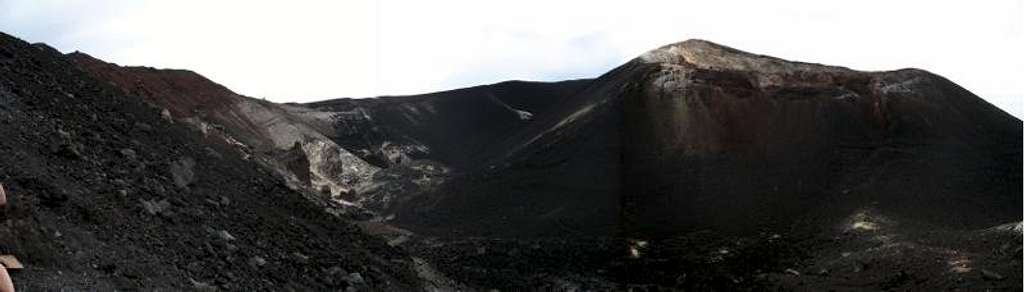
(738, 166)
(460, 128)
(697, 135)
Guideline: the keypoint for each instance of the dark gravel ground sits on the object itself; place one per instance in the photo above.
(887, 259)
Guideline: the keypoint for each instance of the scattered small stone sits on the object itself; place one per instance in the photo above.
(792, 272)
(119, 182)
(155, 187)
(70, 150)
(858, 267)
(166, 115)
(155, 207)
(336, 270)
(182, 172)
(300, 258)
(144, 127)
(990, 275)
(213, 153)
(212, 202)
(130, 154)
(355, 278)
(822, 272)
(257, 261)
(194, 267)
(399, 240)
(202, 286)
(223, 234)
(122, 192)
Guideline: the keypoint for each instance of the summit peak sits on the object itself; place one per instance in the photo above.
(707, 54)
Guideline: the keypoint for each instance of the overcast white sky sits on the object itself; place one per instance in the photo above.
(311, 50)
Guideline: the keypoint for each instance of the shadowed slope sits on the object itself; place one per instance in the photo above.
(696, 135)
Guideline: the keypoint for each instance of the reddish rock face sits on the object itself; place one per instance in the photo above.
(183, 92)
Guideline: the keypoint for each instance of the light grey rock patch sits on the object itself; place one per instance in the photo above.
(182, 172)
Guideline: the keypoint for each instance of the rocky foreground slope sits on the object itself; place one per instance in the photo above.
(107, 194)
(694, 166)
